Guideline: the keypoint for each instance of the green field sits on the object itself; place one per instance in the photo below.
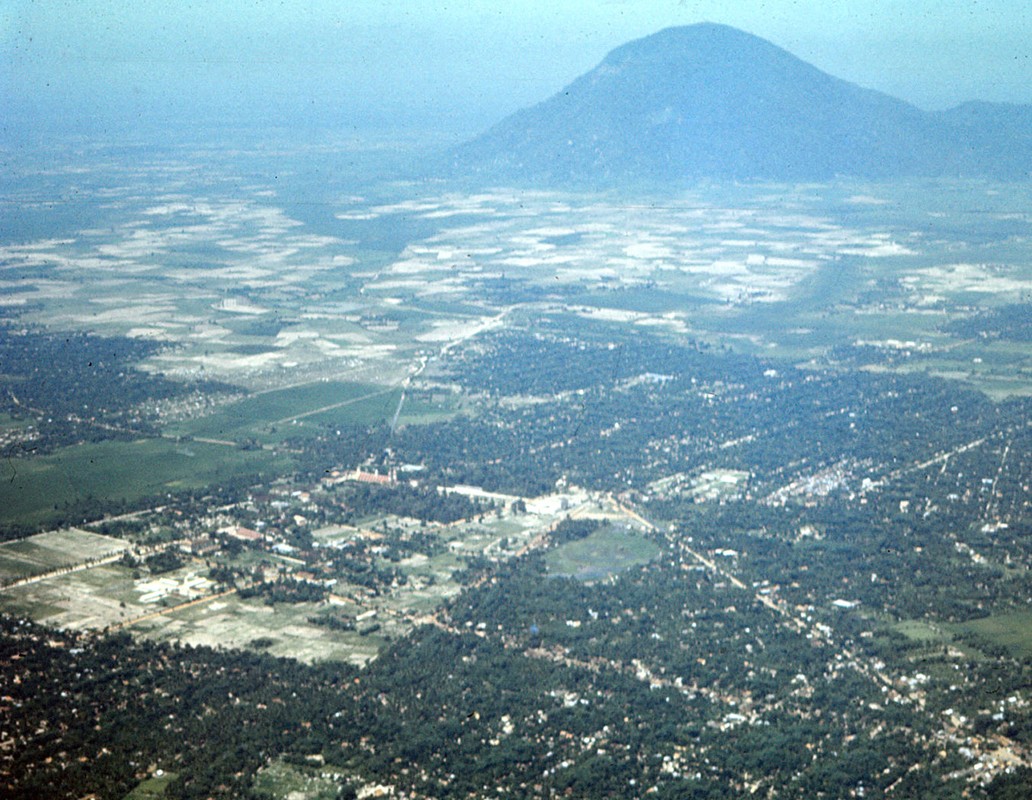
(9, 423)
(274, 415)
(152, 788)
(283, 781)
(85, 477)
(1011, 630)
(608, 550)
(924, 632)
(361, 410)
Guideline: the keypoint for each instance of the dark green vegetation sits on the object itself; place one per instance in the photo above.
(424, 503)
(632, 410)
(1008, 630)
(730, 694)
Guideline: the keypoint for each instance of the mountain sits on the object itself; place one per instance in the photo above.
(996, 138)
(710, 101)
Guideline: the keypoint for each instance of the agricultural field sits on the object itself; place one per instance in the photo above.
(264, 293)
(54, 550)
(280, 630)
(87, 476)
(91, 599)
(270, 416)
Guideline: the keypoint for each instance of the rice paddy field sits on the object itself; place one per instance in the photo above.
(358, 288)
(45, 487)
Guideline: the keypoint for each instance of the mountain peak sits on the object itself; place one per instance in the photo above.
(709, 37)
(712, 101)
(703, 47)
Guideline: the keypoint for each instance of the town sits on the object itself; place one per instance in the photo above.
(484, 494)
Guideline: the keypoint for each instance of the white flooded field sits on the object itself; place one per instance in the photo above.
(244, 289)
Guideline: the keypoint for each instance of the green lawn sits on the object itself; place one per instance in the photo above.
(608, 550)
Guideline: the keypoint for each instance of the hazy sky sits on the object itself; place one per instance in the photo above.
(456, 67)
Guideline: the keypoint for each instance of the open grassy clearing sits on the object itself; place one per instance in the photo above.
(421, 410)
(36, 490)
(282, 781)
(9, 423)
(922, 631)
(937, 649)
(367, 409)
(610, 549)
(1011, 630)
(29, 606)
(998, 373)
(423, 597)
(153, 788)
